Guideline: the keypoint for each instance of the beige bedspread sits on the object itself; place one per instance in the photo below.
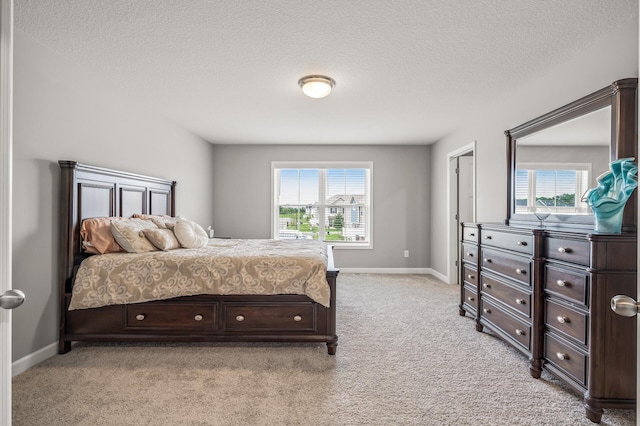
(222, 267)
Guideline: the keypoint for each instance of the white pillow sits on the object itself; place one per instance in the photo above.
(190, 234)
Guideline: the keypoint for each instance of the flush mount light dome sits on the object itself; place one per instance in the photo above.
(316, 86)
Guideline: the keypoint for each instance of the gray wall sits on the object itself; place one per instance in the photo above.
(611, 58)
(61, 113)
(242, 197)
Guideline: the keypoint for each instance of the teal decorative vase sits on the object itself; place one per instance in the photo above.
(608, 199)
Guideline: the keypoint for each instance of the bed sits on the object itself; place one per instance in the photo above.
(95, 192)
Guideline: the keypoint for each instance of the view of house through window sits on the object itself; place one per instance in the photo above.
(322, 201)
(544, 188)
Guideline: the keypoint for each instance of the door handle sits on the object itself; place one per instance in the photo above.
(624, 305)
(11, 299)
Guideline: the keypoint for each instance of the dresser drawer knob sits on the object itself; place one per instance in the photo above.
(140, 317)
(563, 320)
(486, 311)
(562, 356)
(561, 283)
(470, 299)
(521, 302)
(520, 271)
(564, 250)
(520, 332)
(487, 260)
(485, 285)
(198, 317)
(472, 234)
(487, 237)
(240, 318)
(521, 243)
(470, 254)
(471, 277)
(297, 318)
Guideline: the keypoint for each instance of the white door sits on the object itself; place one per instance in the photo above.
(465, 188)
(6, 117)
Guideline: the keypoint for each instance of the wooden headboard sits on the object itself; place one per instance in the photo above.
(90, 191)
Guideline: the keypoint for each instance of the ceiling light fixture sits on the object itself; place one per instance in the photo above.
(316, 86)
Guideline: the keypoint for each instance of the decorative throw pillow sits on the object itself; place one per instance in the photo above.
(128, 233)
(161, 221)
(190, 234)
(97, 237)
(164, 239)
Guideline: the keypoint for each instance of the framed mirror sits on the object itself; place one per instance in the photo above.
(554, 159)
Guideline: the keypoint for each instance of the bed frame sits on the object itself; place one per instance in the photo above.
(89, 191)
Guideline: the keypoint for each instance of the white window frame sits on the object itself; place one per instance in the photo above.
(323, 165)
(533, 167)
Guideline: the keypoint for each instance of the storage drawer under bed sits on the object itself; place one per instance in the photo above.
(269, 317)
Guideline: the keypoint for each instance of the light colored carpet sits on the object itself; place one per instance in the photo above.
(405, 357)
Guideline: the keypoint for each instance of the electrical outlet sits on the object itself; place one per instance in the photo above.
(406, 253)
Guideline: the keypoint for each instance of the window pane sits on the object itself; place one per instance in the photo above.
(297, 196)
(522, 190)
(346, 205)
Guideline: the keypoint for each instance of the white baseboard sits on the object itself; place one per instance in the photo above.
(35, 358)
(428, 271)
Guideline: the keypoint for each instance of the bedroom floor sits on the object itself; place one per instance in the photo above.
(405, 357)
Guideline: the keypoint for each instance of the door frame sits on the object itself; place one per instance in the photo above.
(452, 207)
(6, 172)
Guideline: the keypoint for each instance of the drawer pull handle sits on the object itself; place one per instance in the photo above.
(471, 277)
(563, 320)
(521, 302)
(486, 311)
(564, 250)
(470, 299)
(520, 271)
(485, 285)
(240, 318)
(198, 317)
(297, 318)
(140, 317)
(520, 332)
(470, 254)
(472, 234)
(487, 260)
(562, 356)
(561, 283)
(521, 243)
(487, 237)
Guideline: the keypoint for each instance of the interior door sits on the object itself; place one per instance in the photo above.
(6, 117)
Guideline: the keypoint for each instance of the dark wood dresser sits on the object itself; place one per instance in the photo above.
(547, 292)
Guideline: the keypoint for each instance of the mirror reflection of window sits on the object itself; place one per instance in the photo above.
(552, 188)
(557, 165)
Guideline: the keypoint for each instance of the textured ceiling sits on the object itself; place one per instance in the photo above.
(407, 71)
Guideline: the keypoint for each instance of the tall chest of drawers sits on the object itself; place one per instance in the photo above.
(548, 294)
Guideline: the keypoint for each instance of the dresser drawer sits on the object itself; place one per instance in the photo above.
(470, 297)
(511, 296)
(508, 240)
(512, 266)
(171, 316)
(470, 275)
(566, 358)
(289, 317)
(470, 253)
(470, 234)
(566, 250)
(516, 329)
(569, 321)
(567, 283)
